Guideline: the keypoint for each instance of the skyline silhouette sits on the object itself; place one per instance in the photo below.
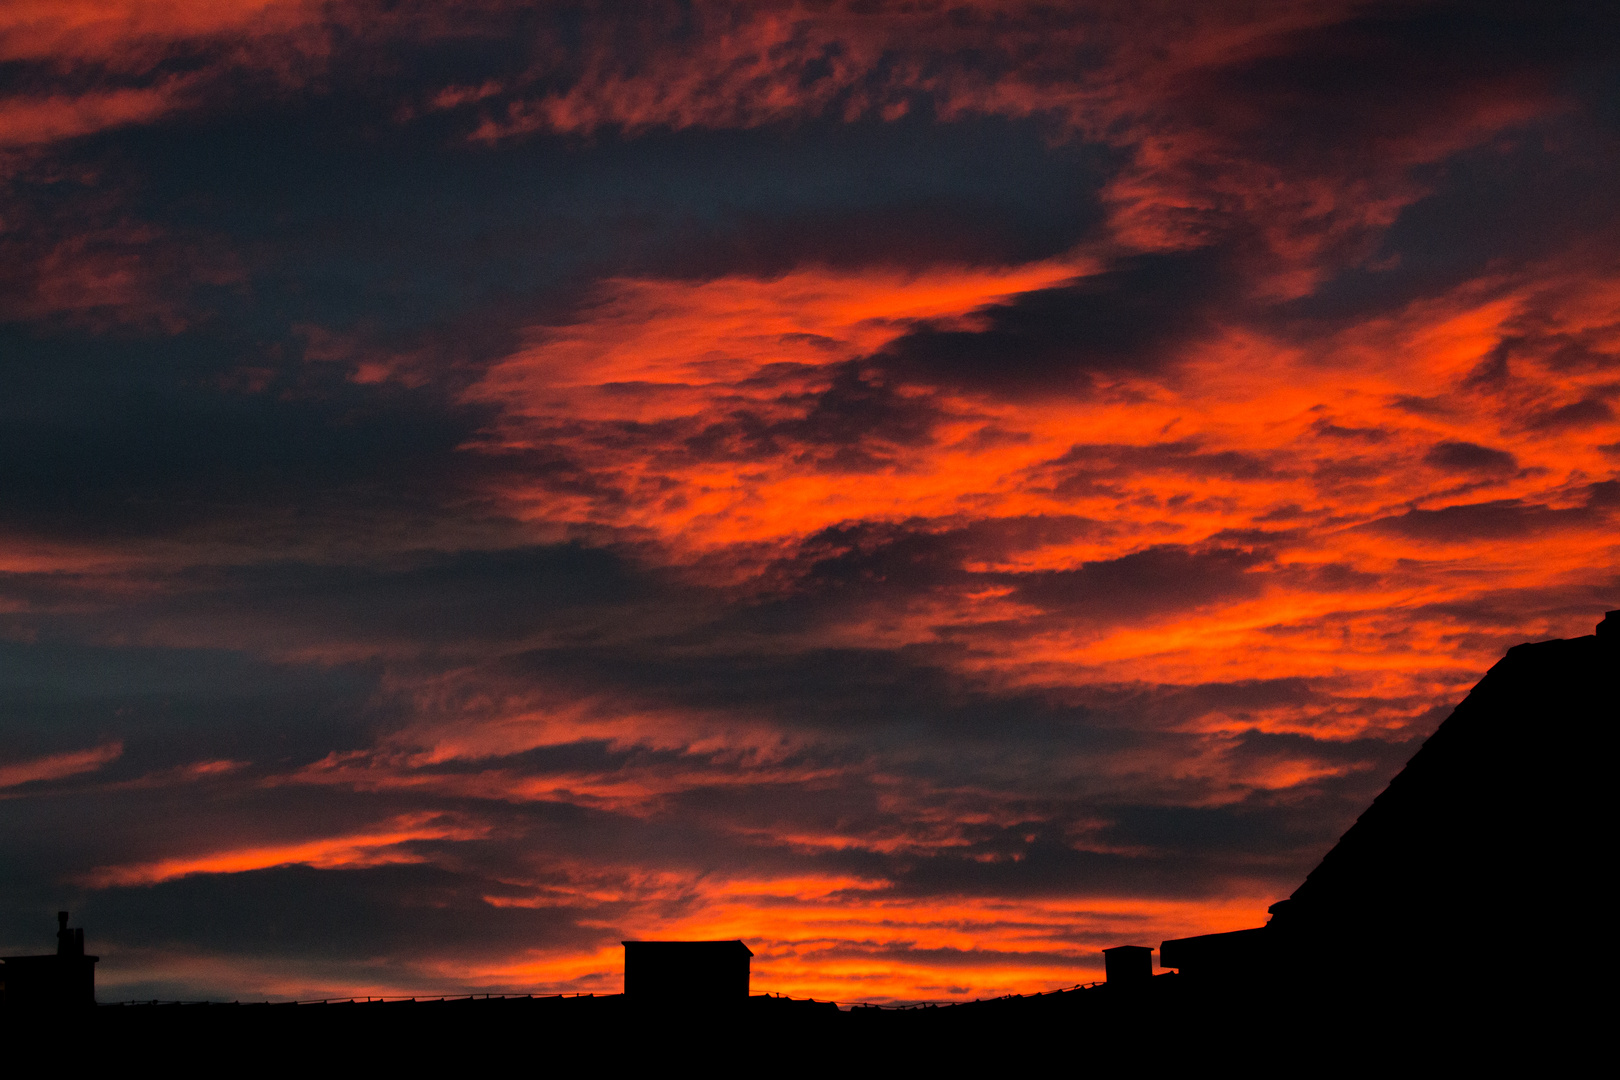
(1438, 863)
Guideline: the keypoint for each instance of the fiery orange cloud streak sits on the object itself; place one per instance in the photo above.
(26, 121)
(377, 848)
(1322, 445)
(97, 28)
(57, 766)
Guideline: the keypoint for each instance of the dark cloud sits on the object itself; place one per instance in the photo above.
(1502, 518)
(851, 426)
(873, 564)
(1360, 104)
(343, 916)
(428, 601)
(1402, 100)
(1467, 457)
(1587, 412)
(1247, 835)
(1149, 583)
(1433, 63)
(869, 194)
(1128, 320)
(113, 439)
(1048, 866)
(1090, 469)
(173, 707)
(889, 699)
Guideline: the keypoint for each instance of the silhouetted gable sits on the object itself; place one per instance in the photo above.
(1473, 829)
(1487, 836)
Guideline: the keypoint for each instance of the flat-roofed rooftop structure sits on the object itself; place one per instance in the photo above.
(686, 970)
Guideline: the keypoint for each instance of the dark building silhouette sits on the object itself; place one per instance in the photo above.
(1482, 849)
(66, 978)
(699, 971)
(1128, 965)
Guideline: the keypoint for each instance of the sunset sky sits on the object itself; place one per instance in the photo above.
(930, 489)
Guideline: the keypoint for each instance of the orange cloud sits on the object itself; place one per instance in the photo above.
(28, 120)
(666, 353)
(722, 64)
(1325, 458)
(99, 29)
(131, 39)
(1192, 97)
(56, 766)
(380, 847)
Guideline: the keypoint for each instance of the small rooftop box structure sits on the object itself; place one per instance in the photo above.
(65, 979)
(686, 970)
(1128, 964)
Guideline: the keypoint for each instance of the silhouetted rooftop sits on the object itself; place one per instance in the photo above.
(1479, 849)
(1487, 843)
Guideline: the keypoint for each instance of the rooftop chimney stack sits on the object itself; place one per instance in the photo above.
(65, 978)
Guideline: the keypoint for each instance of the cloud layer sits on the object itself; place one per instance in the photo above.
(933, 492)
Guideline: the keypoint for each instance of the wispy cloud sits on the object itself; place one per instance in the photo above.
(384, 845)
(57, 766)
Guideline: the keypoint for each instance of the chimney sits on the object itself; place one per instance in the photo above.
(68, 942)
(1609, 628)
(1128, 965)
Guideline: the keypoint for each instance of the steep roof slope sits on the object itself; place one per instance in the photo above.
(1490, 840)
(1495, 818)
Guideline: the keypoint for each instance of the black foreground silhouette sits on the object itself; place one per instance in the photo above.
(1444, 930)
